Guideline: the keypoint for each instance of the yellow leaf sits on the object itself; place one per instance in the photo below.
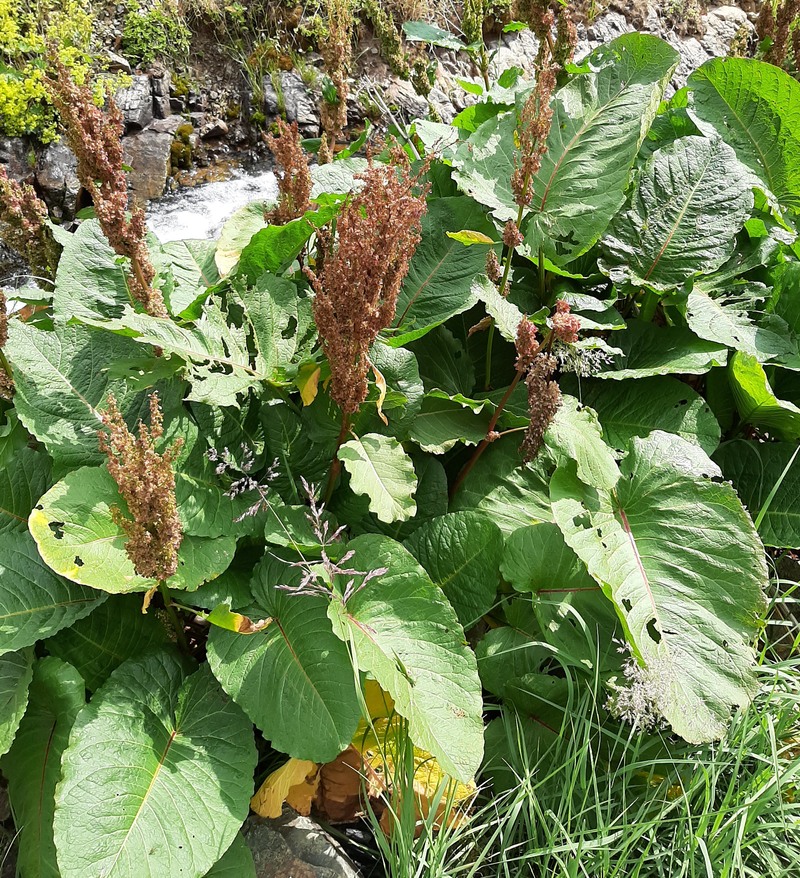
(223, 617)
(294, 783)
(307, 382)
(380, 383)
(379, 703)
(468, 237)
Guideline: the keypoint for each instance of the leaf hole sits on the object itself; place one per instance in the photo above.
(78, 561)
(57, 527)
(39, 507)
(627, 605)
(653, 632)
(581, 521)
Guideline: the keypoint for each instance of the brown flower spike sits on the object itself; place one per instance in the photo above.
(146, 481)
(95, 138)
(358, 283)
(294, 177)
(6, 381)
(544, 396)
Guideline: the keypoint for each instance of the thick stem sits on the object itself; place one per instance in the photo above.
(183, 643)
(542, 278)
(489, 341)
(510, 250)
(489, 437)
(336, 464)
(5, 365)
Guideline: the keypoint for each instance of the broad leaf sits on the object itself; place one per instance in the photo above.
(16, 670)
(444, 421)
(443, 363)
(33, 766)
(22, 483)
(294, 678)
(756, 401)
(684, 215)
(114, 632)
(461, 552)
(506, 314)
(755, 108)
(406, 635)
(78, 538)
(380, 469)
(236, 235)
(163, 761)
(679, 557)
(236, 862)
(34, 602)
(193, 272)
(422, 31)
(506, 653)
(537, 559)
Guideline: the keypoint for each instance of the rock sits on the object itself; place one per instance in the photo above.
(213, 128)
(57, 179)
(442, 104)
(117, 63)
(721, 26)
(607, 27)
(136, 103)
(16, 156)
(295, 847)
(161, 108)
(401, 93)
(160, 81)
(295, 99)
(177, 104)
(515, 50)
(148, 154)
(168, 125)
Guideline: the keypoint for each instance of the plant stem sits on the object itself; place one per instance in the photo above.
(5, 365)
(489, 341)
(336, 464)
(649, 304)
(489, 437)
(542, 278)
(173, 617)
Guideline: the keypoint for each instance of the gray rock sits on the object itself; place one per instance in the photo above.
(298, 103)
(161, 107)
(17, 157)
(168, 125)
(401, 94)
(117, 62)
(136, 103)
(721, 26)
(177, 105)
(160, 81)
(213, 128)
(444, 107)
(148, 153)
(516, 50)
(57, 179)
(295, 847)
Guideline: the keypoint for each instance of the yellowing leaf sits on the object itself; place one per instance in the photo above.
(468, 237)
(379, 703)
(380, 383)
(294, 783)
(223, 617)
(307, 382)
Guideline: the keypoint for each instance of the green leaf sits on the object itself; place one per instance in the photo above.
(34, 602)
(63, 383)
(422, 32)
(444, 421)
(79, 539)
(16, 670)
(380, 469)
(236, 862)
(461, 552)
(22, 482)
(406, 635)
(681, 560)
(636, 408)
(114, 632)
(755, 468)
(294, 678)
(236, 234)
(511, 493)
(691, 201)
(537, 559)
(33, 766)
(755, 108)
(437, 285)
(506, 315)
(443, 363)
(506, 653)
(194, 270)
(756, 401)
(649, 350)
(338, 177)
(163, 760)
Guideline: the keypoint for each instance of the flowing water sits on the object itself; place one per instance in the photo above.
(200, 212)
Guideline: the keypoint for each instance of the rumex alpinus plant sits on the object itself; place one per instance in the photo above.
(499, 518)
(294, 177)
(337, 53)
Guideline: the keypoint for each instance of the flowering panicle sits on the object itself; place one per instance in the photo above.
(566, 326)
(544, 397)
(146, 481)
(358, 283)
(6, 381)
(532, 131)
(337, 53)
(242, 479)
(94, 137)
(493, 268)
(294, 177)
(512, 237)
(775, 24)
(24, 227)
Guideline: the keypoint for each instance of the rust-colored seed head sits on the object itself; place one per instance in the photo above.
(356, 287)
(294, 177)
(566, 326)
(566, 37)
(512, 237)
(337, 53)
(544, 399)
(532, 131)
(146, 482)
(95, 138)
(6, 381)
(527, 345)
(493, 268)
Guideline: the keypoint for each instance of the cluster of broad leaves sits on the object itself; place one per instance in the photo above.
(669, 227)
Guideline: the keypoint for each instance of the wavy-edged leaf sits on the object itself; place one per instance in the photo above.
(34, 602)
(16, 670)
(446, 420)
(294, 678)
(691, 201)
(22, 483)
(163, 760)
(193, 272)
(679, 557)
(236, 234)
(33, 765)
(406, 635)
(756, 401)
(380, 469)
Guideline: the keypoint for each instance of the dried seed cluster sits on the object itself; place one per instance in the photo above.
(294, 177)
(544, 396)
(6, 381)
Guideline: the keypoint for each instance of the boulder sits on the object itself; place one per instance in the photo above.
(136, 103)
(57, 179)
(721, 26)
(16, 155)
(213, 128)
(295, 99)
(116, 63)
(148, 154)
(168, 125)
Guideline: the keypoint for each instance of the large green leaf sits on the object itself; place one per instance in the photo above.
(405, 633)
(755, 468)
(756, 401)
(691, 200)
(437, 285)
(114, 632)
(34, 602)
(444, 421)
(16, 670)
(636, 408)
(294, 678)
(422, 31)
(237, 233)
(163, 761)
(63, 383)
(443, 363)
(33, 766)
(236, 862)
(461, 552)
(649, 350)
(380, 469)
(677, 554)
(78, 538)
(755, 108)
(22, 483)
(193, 272)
